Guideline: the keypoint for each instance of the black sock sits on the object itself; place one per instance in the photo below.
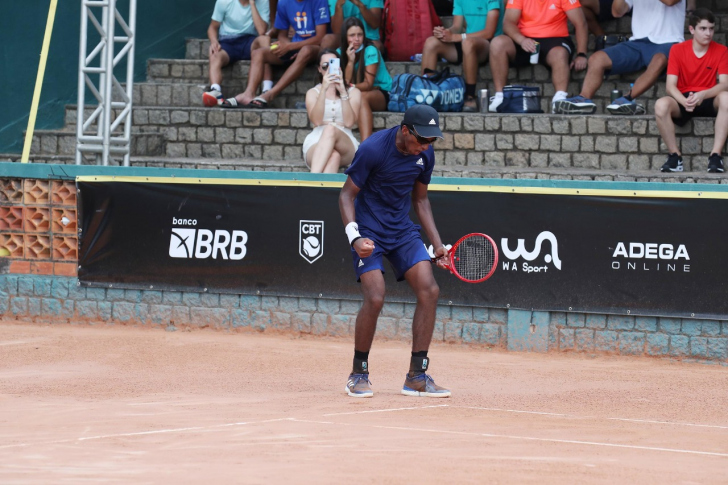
(429, 71)
(419, 362)
(361, 362)
(469, 90)
(629, 97)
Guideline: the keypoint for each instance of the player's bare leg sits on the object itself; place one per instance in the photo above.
(372, 288)
(422, 282)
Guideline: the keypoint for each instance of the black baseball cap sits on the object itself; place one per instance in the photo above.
(424, 119)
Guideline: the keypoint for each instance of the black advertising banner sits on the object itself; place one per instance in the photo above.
(594, 251)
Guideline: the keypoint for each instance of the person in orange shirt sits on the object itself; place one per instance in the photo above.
(539, 24)
(692, 71)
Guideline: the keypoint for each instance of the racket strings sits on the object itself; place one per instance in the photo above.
(474, 258)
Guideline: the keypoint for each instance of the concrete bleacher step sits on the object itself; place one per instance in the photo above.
(163, 74)
(297, 166)
(63, 142)
(597, 142)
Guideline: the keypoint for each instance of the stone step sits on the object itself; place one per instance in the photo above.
(597, 142)
(163, 74)
(287, 165)
(63, 142)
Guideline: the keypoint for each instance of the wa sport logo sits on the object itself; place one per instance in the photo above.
(311, 240)
(529, 256)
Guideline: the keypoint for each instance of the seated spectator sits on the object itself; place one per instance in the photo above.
(656, 26)
(234, 27)
(693, 90)
(333, 110)
(368, 11)
(597, 12)
(309, 19)
(532, 24)
(363, 67)
(466, 42)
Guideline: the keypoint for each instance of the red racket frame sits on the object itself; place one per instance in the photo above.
(451, 257)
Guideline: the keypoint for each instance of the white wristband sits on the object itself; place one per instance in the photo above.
(463, 36)
(352, 232)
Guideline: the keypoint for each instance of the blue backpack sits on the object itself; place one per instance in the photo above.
(520, 99)
(443, 91)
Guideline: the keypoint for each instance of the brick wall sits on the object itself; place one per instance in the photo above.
(59, 299)
(38, 227)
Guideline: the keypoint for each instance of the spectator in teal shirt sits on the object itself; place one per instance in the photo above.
(363, 66)
(368, 11)
(475, 23)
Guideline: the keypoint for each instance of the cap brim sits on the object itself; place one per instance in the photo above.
(427, 131)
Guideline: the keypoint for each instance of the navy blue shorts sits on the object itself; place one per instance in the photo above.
(238, 48)
(634, 55)
(402, 257)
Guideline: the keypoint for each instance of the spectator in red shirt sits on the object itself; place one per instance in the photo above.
(694, 91)
(531, 23)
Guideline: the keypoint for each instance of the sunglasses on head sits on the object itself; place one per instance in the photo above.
(420, 139)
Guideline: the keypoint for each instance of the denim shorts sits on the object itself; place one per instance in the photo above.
(634, 55)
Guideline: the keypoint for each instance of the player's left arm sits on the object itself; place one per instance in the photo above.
(421, 205)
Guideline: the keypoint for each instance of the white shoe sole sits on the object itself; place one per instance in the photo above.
(351, 394)
(425, 394)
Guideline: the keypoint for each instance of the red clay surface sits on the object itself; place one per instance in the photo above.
(137, 405)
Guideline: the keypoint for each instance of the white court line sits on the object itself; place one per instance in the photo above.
(387, 410)
(142, 433)
(646, 421)
(669, 422)
(528, 438)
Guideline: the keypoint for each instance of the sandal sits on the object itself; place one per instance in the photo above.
(231, 103)
(258, 103)
(470, 109)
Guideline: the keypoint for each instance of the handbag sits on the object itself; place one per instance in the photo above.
(444, 91)
(521, 99)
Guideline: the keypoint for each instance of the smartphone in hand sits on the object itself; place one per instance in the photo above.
(334, 66)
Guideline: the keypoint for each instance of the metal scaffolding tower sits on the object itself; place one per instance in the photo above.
(106, 133)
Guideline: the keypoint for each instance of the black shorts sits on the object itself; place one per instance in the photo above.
(523, 58)
(288, 57)
(385, 93)
(459, 49)
(605, 10)
(706, 109)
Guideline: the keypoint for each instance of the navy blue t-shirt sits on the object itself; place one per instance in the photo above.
(386, 177)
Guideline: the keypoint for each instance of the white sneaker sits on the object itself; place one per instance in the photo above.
(212, 97)
(495, 101)
(559, 96)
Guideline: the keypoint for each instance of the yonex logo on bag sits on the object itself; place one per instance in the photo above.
(311, 240)
(521, 252)
(428, 96)
(205, 243)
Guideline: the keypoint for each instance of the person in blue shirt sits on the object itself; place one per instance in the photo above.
(475, 24)
(233, 29)
(363, 66)
(310, 21)
(389, 174)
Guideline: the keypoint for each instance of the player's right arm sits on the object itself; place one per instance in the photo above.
(362, 245)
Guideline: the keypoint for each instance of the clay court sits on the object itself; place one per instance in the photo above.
(129, 404)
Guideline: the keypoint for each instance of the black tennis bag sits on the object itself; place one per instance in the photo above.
(521, 99)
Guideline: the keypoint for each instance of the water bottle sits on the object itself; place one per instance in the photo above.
(416, 58)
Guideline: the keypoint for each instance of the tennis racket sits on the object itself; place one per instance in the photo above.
(473, 258)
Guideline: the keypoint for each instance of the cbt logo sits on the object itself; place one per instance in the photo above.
(205, 243)
(311, 240)
(521, 252)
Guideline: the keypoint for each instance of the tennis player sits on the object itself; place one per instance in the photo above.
(389, 173)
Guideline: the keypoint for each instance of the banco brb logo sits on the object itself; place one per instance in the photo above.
(311, 240)
(205, 243)
(521, 252)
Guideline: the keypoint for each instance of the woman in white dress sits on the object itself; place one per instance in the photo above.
(333, 110)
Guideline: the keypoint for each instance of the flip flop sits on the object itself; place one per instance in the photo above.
(231, 103)
(258, 103)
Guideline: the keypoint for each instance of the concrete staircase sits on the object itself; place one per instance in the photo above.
(173, 129)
